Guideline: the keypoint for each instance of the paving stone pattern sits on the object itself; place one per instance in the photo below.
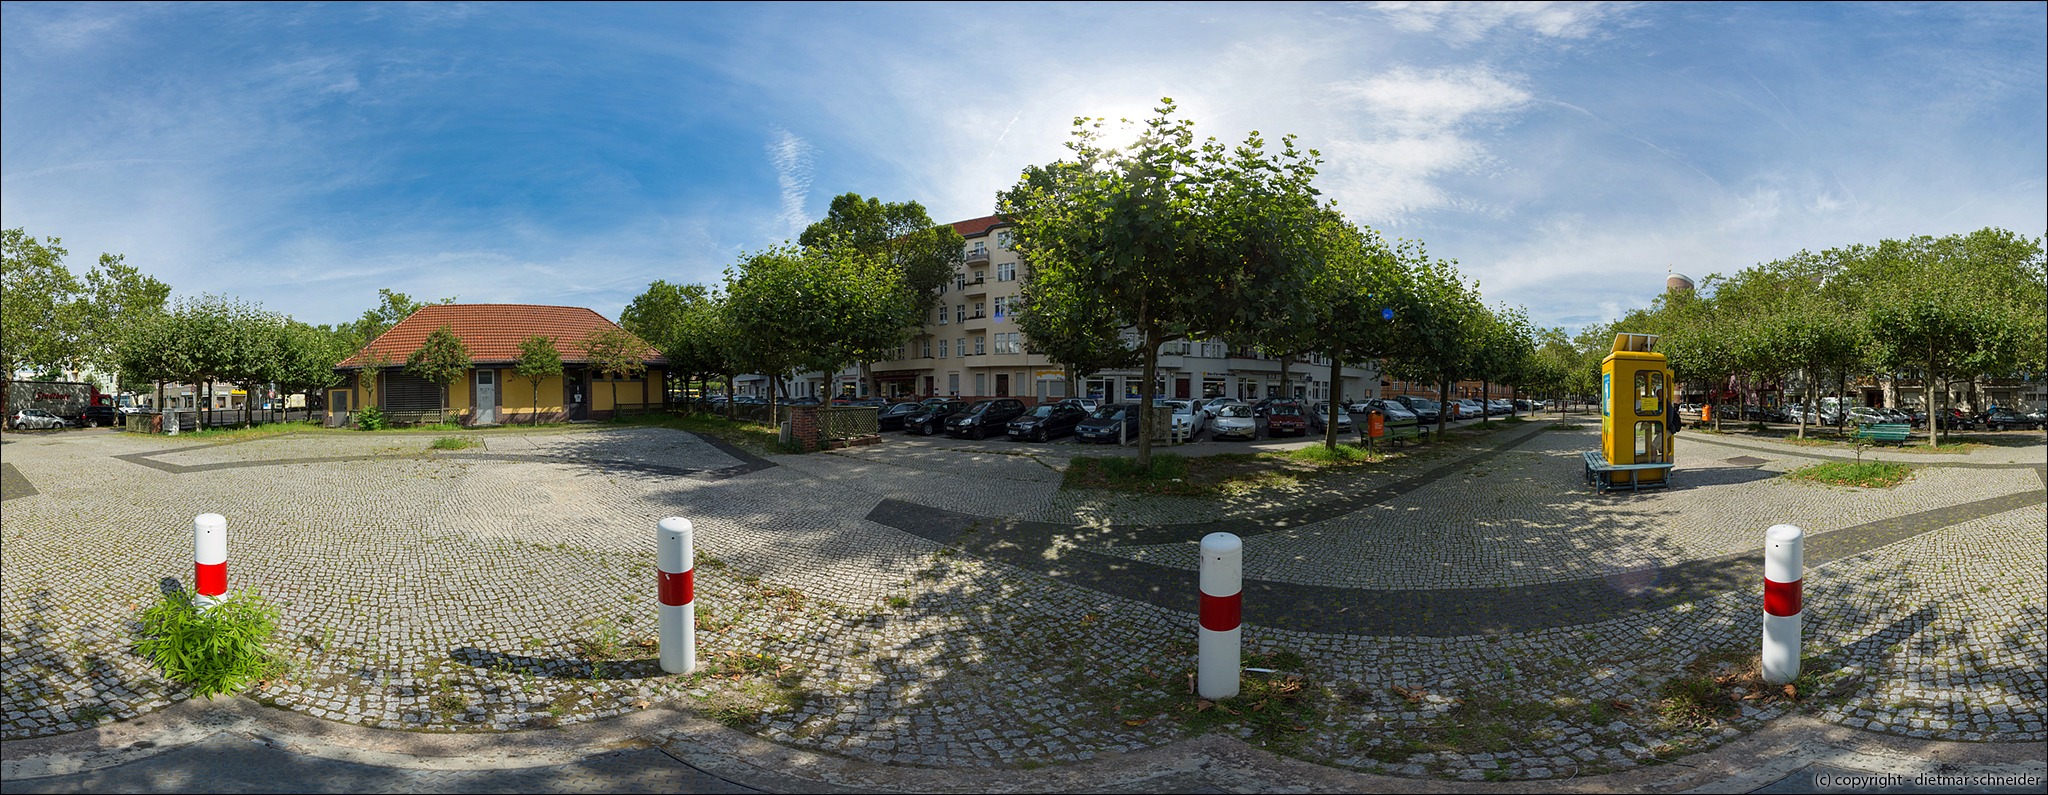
(512, 586)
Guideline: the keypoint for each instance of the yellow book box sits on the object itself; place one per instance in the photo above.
(1635, 394)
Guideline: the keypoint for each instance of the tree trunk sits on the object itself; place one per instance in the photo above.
(1443, 406)
(1286, 388)
(1336, 394)
(1146, 392)
(1805, 399)
(1933, 418)
(775, 391)
(1485, 394)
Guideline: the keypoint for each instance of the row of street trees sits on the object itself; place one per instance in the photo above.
(856, 285)
(1125, 250)
(1945, 312)
(1171, 238)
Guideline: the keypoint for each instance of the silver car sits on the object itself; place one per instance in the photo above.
(36, 418)
(1234, 420)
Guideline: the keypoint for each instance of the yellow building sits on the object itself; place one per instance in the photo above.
(490, 393)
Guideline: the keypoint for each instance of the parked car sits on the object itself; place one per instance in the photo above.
(1864, 415)
(1234, 421)
(1286, 416)
(2001, 419)
(99, 416)
(1896, 416)
(891, 417)
(1215, 405)
(1319, 416)
(1424, 409)
(932, 418)
(1187, 420)
(1046, 421)
(1956, 419)
(1469, 409)
(1086, 404)
(984, 418)
(2039, 416)
(1392, 412)
(1106, 424)
(36, 418)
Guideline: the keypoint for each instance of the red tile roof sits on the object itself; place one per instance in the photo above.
(976, 227)
(493, 332)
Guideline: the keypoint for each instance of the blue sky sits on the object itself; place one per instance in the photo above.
(306, 155)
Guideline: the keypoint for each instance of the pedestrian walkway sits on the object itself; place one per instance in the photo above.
(234, 745)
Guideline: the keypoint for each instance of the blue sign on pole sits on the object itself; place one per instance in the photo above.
(1387, 313)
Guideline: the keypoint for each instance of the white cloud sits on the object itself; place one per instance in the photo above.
(1467, 22)
(1417, 126)
(791, 156)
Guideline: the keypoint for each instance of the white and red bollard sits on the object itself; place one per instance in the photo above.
(1784, 566)
(678, 569)
(1218, 665)
(209, 558)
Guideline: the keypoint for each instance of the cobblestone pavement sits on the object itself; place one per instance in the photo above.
(510, 587)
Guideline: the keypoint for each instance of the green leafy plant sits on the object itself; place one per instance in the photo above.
(454, 443)
(371, 418)
(217, 651)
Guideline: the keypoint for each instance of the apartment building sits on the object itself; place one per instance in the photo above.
(972, 347)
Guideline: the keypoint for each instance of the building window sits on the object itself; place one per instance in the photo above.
(999, 306)
(959, 313)
(960, 281)
(980, 248)
(1003, 240)
(942, 349)
(1006, 272)
(980, 309)
(942, 316)
(927, 349)
(977, 344)
(961, 345)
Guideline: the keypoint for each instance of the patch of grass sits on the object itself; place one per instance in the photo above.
(1864, 474)
(1343, 455)
(1717, 684)
(455, 443)
(754, 436)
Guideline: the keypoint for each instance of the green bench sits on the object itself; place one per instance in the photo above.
(1597, 471)
(1894, 432)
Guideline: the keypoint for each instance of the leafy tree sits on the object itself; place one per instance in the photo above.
(681, 322)
(1552, 364)
(306, 360)
(117, 297)
(1181, 239)
(440, 360)
(1501, 348)
(152, 352)
(1445, 318)
(791, 309)
(39, 324)
(538, 361)
(1356, 284)
(921, 255)
(616, 353)
(391, 308)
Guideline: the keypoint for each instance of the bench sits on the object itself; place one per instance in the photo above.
(1894, 432)
(1597, 471)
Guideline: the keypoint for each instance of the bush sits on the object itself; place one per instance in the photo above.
(218, 651)
(371, 419)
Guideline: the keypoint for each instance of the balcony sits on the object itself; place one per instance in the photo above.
(973, 287)
(977, 256)
(976, 320)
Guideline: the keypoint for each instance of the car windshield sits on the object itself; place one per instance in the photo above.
(1286, 408)
(1234, 410)
(1042, 411)
(1108, 412)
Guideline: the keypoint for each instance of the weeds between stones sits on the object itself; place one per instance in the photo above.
(454, 443)
(218, 651)
(1718, 683)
